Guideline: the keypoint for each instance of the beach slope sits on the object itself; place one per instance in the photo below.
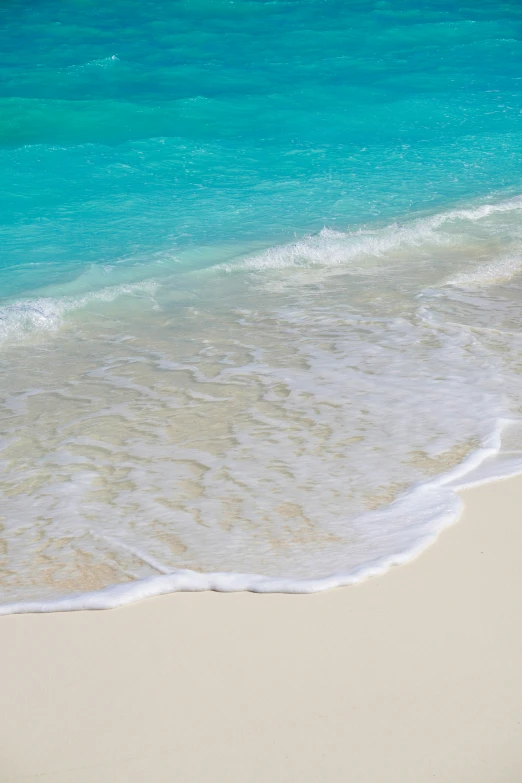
(409, 677)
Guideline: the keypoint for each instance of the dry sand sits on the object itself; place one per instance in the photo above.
(412, 676)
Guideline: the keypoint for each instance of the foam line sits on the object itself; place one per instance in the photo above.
(333, 248)
(447, 509)
(46, 314)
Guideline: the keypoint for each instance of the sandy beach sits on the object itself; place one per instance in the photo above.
(412, 676)
(260, 333)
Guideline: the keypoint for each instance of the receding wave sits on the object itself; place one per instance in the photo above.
(499, 270)
(290, 427)
(25, 317)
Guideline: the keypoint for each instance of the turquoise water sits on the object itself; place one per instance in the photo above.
(131, 128)
(259, 283)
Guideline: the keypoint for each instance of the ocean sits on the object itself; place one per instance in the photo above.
(260, 289)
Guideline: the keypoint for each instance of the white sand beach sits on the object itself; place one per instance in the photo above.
(410, 677)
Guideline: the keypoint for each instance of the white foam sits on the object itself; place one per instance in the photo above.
(334, 248)
(431, 507)
(102, 62)
(43, 314)
(499, 270)
(274, 439)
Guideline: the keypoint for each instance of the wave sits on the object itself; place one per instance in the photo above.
(431, 507)
(45, 314)
(332, 248)
(102, 62)
(257, 441)
(328, 249)
(499, 270)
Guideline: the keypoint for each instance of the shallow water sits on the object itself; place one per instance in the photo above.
(260, 289)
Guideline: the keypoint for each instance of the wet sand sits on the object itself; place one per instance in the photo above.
(412, 676)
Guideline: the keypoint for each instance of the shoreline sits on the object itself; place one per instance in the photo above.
(187, 581)
(410, 675)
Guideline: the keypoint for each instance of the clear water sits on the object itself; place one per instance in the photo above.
(259, 288)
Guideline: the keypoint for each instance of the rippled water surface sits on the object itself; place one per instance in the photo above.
(260, 288)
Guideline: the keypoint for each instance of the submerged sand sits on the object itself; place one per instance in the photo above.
(414, 676)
